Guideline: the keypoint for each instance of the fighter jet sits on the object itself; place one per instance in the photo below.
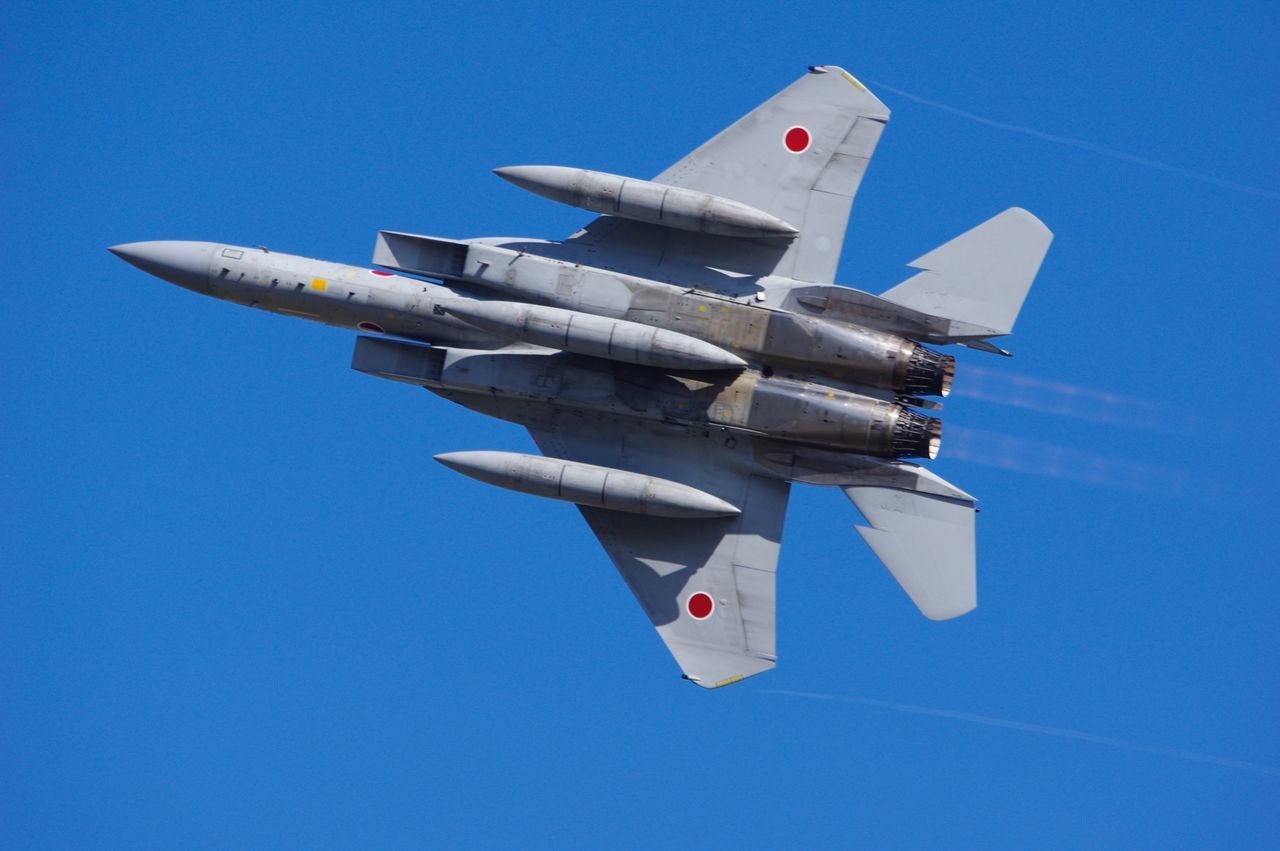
(687, 356)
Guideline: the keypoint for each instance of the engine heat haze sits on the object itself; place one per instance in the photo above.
(686, 357)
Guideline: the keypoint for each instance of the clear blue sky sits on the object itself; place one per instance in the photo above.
(240, 605)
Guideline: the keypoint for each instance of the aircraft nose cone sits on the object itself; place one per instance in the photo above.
(183, 263)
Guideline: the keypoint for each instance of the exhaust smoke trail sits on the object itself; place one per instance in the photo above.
(1054, 397)
(1103, 150)
(1041, 729)
(1048, 459)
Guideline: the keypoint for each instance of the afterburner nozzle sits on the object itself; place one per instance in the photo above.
(916, 436)
(929, 373)
(935, 438)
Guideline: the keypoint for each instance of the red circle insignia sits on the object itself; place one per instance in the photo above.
(796, 139)
(700, 606)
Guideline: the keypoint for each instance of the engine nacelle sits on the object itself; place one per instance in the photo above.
(748, 402)
(864, 355)
(823, 416)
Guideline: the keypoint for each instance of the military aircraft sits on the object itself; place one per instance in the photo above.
(685, 357)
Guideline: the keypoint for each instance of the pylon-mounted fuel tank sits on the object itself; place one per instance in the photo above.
(646, 201)
(587, 484)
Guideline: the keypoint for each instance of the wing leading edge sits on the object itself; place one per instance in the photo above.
(800, 156)
(707, 585)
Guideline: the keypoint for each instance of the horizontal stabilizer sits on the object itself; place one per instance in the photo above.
(982, 276)
(924, 538)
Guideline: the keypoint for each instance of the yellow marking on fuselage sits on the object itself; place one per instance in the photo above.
(319, 284)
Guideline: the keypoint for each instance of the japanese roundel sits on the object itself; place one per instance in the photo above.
(796, 139)
(700, 606)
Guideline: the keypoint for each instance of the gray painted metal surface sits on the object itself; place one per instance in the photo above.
(588, 484)
(646, 201)
(596, 336)
(981, 277)
(732, 561)
(685, 358)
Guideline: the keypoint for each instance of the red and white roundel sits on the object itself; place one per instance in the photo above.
(700, 606)
(796, 139)
(382, 274)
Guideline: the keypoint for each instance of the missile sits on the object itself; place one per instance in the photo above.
(588, 334)
(587, 484)
(646, 201)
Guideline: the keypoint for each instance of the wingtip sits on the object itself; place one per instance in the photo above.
(1027, 217)
(946, 613)
(727, 681)
(871, 106)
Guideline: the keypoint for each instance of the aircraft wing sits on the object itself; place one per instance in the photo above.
(799, 156)
(707, 585)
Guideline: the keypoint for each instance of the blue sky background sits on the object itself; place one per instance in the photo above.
(240, 605)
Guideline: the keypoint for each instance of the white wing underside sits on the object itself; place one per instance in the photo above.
(666, 561)
(750, 162)
(920, 527)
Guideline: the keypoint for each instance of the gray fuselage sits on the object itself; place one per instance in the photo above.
(503, 384)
